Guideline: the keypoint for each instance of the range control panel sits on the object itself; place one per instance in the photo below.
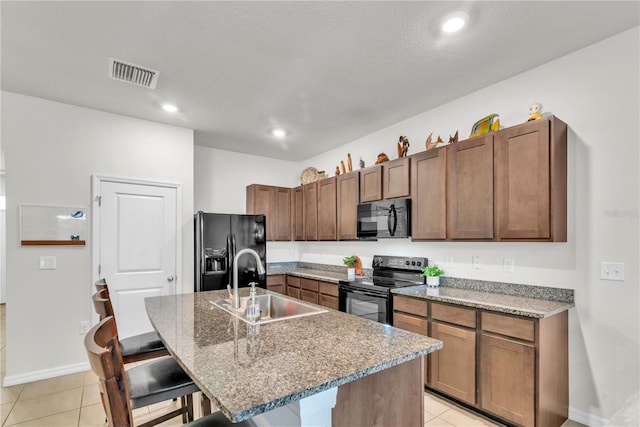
(398, 263)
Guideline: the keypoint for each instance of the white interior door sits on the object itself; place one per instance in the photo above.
(137, 248)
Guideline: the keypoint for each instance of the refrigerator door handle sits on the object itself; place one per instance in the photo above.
(231, 254)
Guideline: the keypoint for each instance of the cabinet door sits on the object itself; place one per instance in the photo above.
(371, 184)
(507, 378)
(327, 220)
(417, 325)
(470, 189)
(453, 369)
(276, 283)
(395, 178)
(310, 211)
(260, 200)
(297, 214)
(309, 296)
(523, 182)
(280, 219)
(348, 197)
(428, 189)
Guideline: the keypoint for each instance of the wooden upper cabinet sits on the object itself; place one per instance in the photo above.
(428, 194)
(371, 184)
(470, 188)
(395, 178)
(327, 215)
(275, 203)
(347, 198)
(310, 211)
(531, 181)
(297, 213)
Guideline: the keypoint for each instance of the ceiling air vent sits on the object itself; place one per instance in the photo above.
(131, 73)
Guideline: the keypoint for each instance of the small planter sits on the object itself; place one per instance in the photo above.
(351, 273)
(433, 281)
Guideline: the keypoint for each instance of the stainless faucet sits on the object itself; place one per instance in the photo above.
(236, 295)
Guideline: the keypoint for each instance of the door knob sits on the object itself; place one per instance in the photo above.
(170, 278)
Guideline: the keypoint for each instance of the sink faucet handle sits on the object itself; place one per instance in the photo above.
(229, 290)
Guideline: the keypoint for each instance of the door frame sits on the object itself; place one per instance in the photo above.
(96, 181)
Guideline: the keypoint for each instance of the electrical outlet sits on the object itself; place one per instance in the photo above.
(476, 262)
(612, 271)
(85, 325)
(509, 264)
(449, 262)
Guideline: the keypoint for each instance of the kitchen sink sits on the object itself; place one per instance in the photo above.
(272, 308)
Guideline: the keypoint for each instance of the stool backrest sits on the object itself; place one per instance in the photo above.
(101, 284)
(101, 343)
(102, 304)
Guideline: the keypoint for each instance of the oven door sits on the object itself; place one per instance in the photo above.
(369, 305)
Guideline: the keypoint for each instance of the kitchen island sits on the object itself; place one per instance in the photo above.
(362, 370)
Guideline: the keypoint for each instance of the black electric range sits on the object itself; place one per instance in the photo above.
(370, 298)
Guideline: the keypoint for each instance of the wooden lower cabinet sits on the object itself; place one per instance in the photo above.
(293, 286)
(453, 369)
(276, 283)
(328, 295)
(511, 367)
(410, 314)
(507, 380)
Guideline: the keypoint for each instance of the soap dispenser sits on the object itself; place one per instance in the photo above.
(253, 305)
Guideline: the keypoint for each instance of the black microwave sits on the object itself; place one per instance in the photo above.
(384, 219)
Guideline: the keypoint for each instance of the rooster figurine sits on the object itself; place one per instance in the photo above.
(402, 149)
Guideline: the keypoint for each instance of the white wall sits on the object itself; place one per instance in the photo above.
(220, 181)
(596, 92)
(51, 151)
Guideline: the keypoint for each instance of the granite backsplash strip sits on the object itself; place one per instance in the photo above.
(283, 267)
(513, 289)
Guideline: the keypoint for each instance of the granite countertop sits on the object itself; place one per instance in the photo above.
(247, 370)
(492, 301)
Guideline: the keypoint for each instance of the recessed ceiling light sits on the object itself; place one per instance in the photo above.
(454, 22)
(279, 133)
(169, 108)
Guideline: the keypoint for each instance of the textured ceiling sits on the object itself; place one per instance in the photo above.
(327, 71)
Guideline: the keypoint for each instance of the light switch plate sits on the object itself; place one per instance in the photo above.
(47, 263)
(612, 271)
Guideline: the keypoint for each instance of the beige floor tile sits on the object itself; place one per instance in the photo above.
(92, 416)
(10, 394)
(571, 423)
(428, 416)
(437, 422)
(45, 405)
(90, 378)
(91, 395)
(52, 385)
(435, 405)
(64, 419)
(461, 418)
(5, 409)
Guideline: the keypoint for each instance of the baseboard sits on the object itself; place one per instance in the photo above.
(586, 418)
(44, 374)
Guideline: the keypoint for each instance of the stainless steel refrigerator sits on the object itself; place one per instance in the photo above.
(218, 237)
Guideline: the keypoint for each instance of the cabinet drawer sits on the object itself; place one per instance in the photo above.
(328, 288)
(410, 305)
(309, 284)
(293, 281)
(309, 296)
(516, 327)
(293, 292)
(328, 301)
(456, 315)
(277, 279)
(279, 288)
(410, 323)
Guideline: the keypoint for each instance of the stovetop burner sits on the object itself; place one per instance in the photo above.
(391, 272)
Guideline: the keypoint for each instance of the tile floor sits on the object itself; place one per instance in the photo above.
(74, 400)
